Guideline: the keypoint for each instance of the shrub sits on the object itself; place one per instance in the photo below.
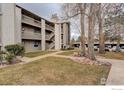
(69, 48)
(2, 56)
(2, 52)
(15, 49)
(9, 58)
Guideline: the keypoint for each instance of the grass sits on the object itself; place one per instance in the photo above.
(53, 71)
(113, 55)
(38, 53)
(69, 52)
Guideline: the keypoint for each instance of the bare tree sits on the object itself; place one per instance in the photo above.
(102, 11)
(88, 10)
(115, 22)
(73, 10)
(82, 28)
(91, 26)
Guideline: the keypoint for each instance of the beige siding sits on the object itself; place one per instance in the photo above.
(0, 26)
(18, 25)
(8, 24)
(29, 45)
(65, 34)
(57, 36)
(43, 34)
(29, 32)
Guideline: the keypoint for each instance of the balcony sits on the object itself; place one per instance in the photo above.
(31, 21)
(31, 36)
(50, 28)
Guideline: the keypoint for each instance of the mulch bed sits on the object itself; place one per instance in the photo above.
(5, 64)
(84, 60)
(77, 57)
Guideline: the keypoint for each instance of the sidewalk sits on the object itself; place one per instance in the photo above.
(116, 75)
(27, 60)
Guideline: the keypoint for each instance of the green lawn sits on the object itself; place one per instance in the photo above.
(69, 52)
(38, 53)
(53, 71)
(113, 55)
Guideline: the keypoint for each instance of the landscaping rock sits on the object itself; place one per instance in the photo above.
(84, 60)
(75, 54)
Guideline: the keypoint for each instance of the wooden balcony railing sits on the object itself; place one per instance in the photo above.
(31, 36)
(31, 21)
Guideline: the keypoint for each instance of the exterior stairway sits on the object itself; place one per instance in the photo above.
(49, 37)
(52, 45)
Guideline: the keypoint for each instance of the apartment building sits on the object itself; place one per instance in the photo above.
(18, 25)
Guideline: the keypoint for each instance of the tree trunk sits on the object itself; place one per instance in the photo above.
(101, 37)
(118, 46)
(91, 21)
(101, 33)
(82, 31)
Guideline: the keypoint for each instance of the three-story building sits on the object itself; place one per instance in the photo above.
(18, 25)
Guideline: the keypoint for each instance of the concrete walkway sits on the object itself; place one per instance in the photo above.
(27, 60)
(116, 75)
(62, 56)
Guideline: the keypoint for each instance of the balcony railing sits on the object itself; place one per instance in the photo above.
(49, 28)
(31, 21)
(31, 36)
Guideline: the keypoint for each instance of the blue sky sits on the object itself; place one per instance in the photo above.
(45, 10)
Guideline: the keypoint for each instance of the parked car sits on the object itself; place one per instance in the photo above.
(95, 48)
(122, 48)
(114, 49)
(107, 49)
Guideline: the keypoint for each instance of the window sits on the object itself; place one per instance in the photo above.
(62, 36)
(36, 43)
